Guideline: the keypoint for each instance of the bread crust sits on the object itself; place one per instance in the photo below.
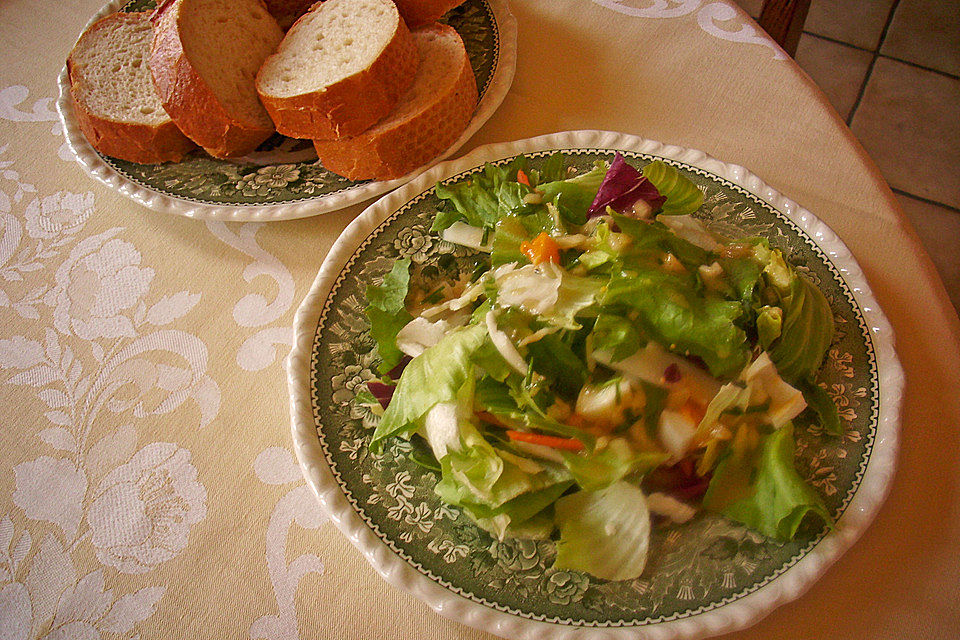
(352, 105)
(189, 100)
(417, 13)
(394, 150)
(131, 141)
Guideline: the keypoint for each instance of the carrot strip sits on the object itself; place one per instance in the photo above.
(522, 177)
(554, 442)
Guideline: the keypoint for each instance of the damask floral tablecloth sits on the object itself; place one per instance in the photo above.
(149, 487)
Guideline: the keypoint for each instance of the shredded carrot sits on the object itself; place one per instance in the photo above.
(543, 248)
(522, 177)
(554, 442)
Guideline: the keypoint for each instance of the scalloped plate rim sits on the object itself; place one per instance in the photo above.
(151, 198)
(741, 613)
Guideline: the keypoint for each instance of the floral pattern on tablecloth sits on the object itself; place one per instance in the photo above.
(261, 351)
(719, 19)
(95, 352)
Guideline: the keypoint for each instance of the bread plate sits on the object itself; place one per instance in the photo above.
(709, 575)
(283, 180)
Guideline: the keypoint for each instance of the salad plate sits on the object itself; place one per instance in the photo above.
(283, 179)
(707, 576)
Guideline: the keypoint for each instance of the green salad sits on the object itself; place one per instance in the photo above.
(605, 363)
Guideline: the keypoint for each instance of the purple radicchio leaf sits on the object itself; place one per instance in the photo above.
(382, 392)
(622, 187)
(394, 374)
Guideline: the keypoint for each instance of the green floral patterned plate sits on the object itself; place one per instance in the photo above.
(704, 577)
(283, 180)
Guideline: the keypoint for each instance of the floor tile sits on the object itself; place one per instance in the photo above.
(926, 32)
(909, 123)
(852, 21)
(837, 69)
(939, 230)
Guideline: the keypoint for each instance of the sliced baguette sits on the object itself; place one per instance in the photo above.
(341, 67)
(204, 61)
(417, 13)
(113, 98)
(430, 117)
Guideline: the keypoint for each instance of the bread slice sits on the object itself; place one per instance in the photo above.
(204, 62)
(341, 67)
(286, 12)
(417, 13)
(430, 117)
(113, 98)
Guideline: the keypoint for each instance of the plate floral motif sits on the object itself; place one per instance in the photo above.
(708, 569)
(283, 179)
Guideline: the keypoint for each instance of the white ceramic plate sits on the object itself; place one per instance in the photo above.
(282, 180)
(707, 576)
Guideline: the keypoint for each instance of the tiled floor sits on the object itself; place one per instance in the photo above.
(891, 68)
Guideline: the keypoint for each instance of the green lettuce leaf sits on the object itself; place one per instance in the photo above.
(683, 319)
(761, 488)
(616, 335)
(605, 533)
(683, 197)
(826, 409)
(652, 239)
(806, 320)
(743, 276)
(555, 168)
(497, 488)
(510, 514)
(553, 358)
(483, 197)
(572, 199)
(435, 376)
(615, 462)
(387, 313)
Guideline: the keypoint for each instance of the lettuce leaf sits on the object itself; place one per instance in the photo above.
(554, 359)
(480, 199)
(555, 168)
(513, 403)
(683, 319)
(615, 462)
(605, 533)
(496, 488)
(387, 313)
(823, 404)
(529, 515)
(682, 196)
(651, 239)
(435, 376)
(761, 488)
(574, 197)
(806, 325)
(616, 335)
